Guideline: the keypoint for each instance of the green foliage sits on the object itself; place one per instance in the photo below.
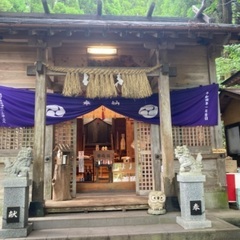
(236, 11)
(212, 6)
(229, 63)
(13, 6)
(87, 7)
(167, 8)
(175, 8)
(67, 6)
(35, 6)
(59, 7)
(5, 6)
(125, 7)
(18, 6)
(179, 8)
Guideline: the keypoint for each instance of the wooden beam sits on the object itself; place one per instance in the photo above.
(200, 11)
(150, 10)
(200, 15)
(99, 8)
(45, 7)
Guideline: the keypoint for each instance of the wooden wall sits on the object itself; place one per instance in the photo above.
(75, 55)
(230, 115)
(14, 59)
(191, 62)
(192, 66)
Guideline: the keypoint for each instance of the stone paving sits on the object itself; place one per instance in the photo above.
(168, 230)
(130, 225)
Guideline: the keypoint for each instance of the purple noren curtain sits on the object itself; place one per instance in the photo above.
(189, 107)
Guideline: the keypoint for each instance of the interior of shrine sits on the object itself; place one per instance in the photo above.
(105, 158)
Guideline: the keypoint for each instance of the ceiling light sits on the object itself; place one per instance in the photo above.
(102, 50)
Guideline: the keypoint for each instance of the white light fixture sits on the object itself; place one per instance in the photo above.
(102, 50)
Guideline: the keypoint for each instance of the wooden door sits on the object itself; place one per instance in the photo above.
(143, 158)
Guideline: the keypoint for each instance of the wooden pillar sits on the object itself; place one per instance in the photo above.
(168, 173)
(213, 53)
(49, 162)
(156, 156)
(36, 208)
(49, 138)
(74, 163)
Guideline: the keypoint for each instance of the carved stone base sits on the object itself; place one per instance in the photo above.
(156, 212)
(16, 233)
(189, 224)
(192, 202)
(16, 198)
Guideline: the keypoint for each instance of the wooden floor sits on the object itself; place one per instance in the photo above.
(91, 202)
(105, 187)
(100, 196)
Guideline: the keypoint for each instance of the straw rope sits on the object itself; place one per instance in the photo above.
(103, 70)
(102, 84)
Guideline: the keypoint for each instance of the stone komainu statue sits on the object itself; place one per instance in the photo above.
(21, 165)
(188, 164)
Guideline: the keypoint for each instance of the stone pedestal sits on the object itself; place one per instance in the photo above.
(192, 202)
(15, 208)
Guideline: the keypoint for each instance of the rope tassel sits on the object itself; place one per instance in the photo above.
(72, 85)
(101, 86)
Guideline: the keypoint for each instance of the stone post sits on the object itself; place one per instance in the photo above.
(15, 208)
(192, 202)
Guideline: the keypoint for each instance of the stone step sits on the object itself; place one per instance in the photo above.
(99, 219)
(131, 225)
(151, 232)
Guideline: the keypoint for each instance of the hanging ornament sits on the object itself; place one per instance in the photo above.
(85, 79)
(119, 80)
(103, 112)
(122, 142)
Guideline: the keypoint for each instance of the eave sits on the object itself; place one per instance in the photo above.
(150, 32)
(226, 95)
(111, 22)
(233, 80)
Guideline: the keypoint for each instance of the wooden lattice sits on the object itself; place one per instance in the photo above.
(144, 160)
(15, 138)
(64, 133)
(192, 136)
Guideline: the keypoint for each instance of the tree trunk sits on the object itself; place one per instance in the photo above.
(235, 13)
(227, 11)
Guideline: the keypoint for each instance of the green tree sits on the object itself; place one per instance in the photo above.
(5, 6)
(13, 6)
(229, 63)
(35, 6)
(67, 6)
(175, 8)
(88, 7)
